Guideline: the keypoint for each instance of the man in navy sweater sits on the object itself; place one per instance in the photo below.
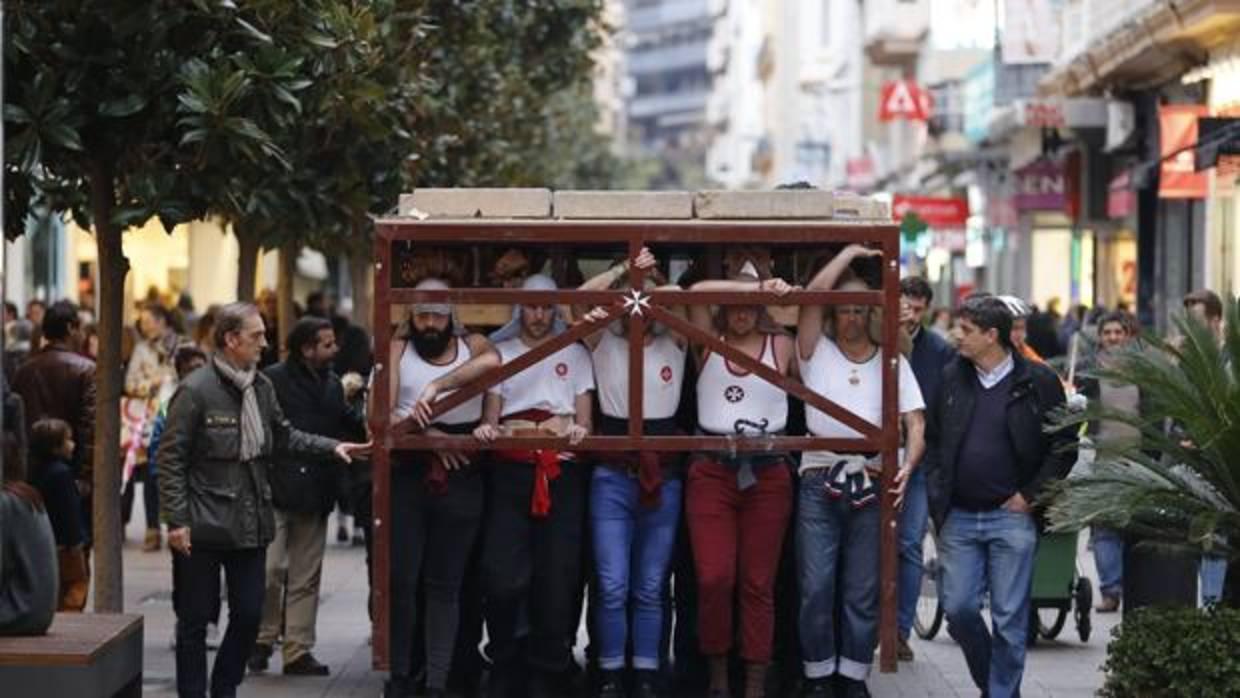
(988, 458)
(930, 354)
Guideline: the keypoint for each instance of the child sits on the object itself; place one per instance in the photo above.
(51, 448)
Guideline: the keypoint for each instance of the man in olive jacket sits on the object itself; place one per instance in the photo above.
(224, 426)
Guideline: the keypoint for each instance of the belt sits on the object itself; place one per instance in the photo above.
(648, 465)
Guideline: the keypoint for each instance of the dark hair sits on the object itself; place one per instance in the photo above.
(1115, 316)
(11, 307)
(989, 313)
(184, 356)
(47, 435)
(795, 186)
(229, 318)
(917, 287)
(316, 301)
(59, 320)
(305, 333)
(1208, 298)
(35, 301)
(159, 312)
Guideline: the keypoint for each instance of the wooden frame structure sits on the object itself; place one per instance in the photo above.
(640, 307)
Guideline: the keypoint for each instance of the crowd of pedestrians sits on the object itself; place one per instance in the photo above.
(242, 456)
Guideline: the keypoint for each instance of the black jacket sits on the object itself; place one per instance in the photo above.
(202, 482)
(314, 403)
(1040, 456)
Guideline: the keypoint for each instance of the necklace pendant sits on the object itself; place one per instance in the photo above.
(854, 379)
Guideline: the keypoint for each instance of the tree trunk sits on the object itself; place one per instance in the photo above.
(361, 269)
(106, 523)
(284, 291)
(247, 267)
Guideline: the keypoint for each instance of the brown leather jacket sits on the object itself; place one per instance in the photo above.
(55, 382)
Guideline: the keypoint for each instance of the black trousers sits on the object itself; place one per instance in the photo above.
(197, 582)
(532, 568)
(432, 537)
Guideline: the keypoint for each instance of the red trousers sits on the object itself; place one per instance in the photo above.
(737, 532)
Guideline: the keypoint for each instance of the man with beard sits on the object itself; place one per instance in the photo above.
(303, 491)
(437, 498)
(532, 554)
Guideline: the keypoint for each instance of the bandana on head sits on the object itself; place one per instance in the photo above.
(432, 308)
(536, 282)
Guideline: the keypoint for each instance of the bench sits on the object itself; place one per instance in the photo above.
(85, 655)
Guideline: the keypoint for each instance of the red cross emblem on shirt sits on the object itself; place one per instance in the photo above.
(666, 374)
(561, 369)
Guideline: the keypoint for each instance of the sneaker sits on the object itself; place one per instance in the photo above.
(611, 685)
(1109, 604)
(851, 688)
(153, 541)
(904, 652)
(646, 684)
(818, 688)
(260, 658)
(306, 665)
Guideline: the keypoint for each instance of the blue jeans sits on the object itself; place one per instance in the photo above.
(989, 550)
(912, 531)
(1213, 576)
(632, 552)
(1109, 559)
(836, 543)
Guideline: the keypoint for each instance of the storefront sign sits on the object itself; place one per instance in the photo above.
(1179, 178)
(903, 99)
(938, 212)
(1121, 124)
(860, 172)
(1040, 186)
(1121, 199)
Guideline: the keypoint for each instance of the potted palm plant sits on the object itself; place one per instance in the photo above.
(1174, 493)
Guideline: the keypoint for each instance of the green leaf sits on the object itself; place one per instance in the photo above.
(63, 136)
(124, 106)
(254, 31)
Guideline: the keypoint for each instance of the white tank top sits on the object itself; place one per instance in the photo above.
(725, 395)
(663, 372)
(416, 373)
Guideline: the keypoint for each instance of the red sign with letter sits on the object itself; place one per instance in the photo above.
(937, 212)
(903, 99)
(1179, 178)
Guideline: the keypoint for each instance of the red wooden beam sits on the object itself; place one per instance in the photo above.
(606, 444)
(749, 363)
(516, 296)
(888, 516)
(637, 343)
(587, 233)
(381, 458)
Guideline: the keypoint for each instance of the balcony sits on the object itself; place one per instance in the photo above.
(646, 17)
(1136, 43)
(895, 30)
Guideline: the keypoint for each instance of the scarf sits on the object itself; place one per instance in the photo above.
(252, 434)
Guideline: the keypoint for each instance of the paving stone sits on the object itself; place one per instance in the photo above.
(477, 203)
(623, 205)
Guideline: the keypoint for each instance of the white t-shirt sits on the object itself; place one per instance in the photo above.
(416, 373)
(663, 373)
(857, 387)
(725, 396)
(551, 384)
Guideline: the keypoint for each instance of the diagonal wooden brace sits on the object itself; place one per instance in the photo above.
(793, 387)
(503, 372)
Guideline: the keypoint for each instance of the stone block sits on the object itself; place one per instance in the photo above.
(622, 205)
(477, 203)
(784, 204)
(852, 206)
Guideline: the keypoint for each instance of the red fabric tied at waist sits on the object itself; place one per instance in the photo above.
(546, 464)
(436, 476)
(649, 479)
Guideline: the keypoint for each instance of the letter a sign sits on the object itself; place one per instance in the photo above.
(903, 99)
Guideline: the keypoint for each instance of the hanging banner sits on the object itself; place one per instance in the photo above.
(1041, 186)
(1121, 199)
(1179, 178)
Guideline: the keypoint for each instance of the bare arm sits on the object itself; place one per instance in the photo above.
(488, 428)
(809, 320)
(583, 417)
(700, 315)
(914, 449)
(484, 357)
